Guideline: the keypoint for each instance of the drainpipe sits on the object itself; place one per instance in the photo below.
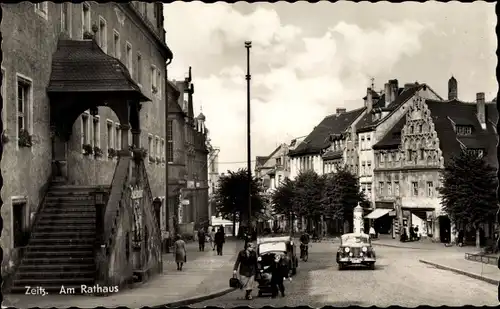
(167, 210)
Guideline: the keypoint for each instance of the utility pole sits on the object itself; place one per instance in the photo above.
(248, 45)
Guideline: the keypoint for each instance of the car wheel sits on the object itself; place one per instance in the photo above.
(372, 266)
(341, 266)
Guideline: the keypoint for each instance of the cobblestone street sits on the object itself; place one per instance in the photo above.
(399, 279)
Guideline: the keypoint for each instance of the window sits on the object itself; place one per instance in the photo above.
(409, 154)
(170, 141)
(85, 18)
(139, 69)
(368, 142)
(116, 45)
(389, 157)
(430, 188)
(118, 137)
(464, 130)
(411, 129)
(85, 128)
(422, 152)
(389, 188)
(96, 130)
(369, 165)
(110, 131)
(157, 147)
(381, 188)
(362, 142)
(150, 146)
(278, 161)
(477, 152)
(363, 167)
(66, 18)
(129, 58)
(396, 188)
(4, 110)
(103, 34)
(24, 107)
(363, 187)
(420, 128)
(369, 190)
(163, 149)
(414, 186)
(19, 216)
(382, 157)
(154, 80)
(42, 9)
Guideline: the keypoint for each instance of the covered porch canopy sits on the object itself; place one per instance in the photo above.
(379, 212)
(84, 77)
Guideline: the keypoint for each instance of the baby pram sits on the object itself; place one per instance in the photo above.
(264, 275)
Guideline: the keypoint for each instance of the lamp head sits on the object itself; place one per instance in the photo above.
(248, 44)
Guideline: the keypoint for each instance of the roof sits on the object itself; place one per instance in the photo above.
(446, 114)
(318, 138)
(260, 161)
(262, 240)
(465, 113)
(82, 66)
(366, 123)
(392, 138)
(330, 154)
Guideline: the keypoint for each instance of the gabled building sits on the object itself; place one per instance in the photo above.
(411, 155)
(308, 155)
(381, 115)
(273, 169)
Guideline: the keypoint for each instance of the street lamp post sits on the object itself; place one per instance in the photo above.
(248, 45)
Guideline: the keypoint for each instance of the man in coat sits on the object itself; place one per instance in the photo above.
(201, 239)
(247, 264)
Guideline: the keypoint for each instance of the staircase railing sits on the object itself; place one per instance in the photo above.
(108, 218)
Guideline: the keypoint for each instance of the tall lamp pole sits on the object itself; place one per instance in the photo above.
(248, 45)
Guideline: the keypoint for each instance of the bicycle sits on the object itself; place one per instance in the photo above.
(304, 252)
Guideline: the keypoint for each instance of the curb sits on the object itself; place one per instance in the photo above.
(196, 299)
(400, 247)
(461, 272)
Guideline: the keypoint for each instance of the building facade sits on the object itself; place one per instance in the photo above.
(411, 156)
(187, 157)
(79, 145)
(213, 177)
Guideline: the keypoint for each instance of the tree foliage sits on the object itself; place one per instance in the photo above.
(341, 195)
(282, 198)
(308, 194)
(231, 195)
(468, 190)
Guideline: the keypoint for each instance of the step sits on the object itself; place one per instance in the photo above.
(77, 188)
(63, 235)
(55, 247)
(66, 221)
(78, 194)
(54, 288)
(37, 274)
(73, 228)
(57, 267)
(67, 215)
(69, 199)
(68, 260)
(61, 241)
(84, 253)
(53, 282)
(61, 208)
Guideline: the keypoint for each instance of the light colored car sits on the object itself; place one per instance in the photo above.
(355, 249)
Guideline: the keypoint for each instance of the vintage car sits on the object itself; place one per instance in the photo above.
(355, 249)
(284, 245)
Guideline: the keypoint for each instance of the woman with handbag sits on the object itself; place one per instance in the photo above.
(247, 264)
(179, 252)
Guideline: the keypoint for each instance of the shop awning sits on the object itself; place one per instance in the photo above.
(377, 213)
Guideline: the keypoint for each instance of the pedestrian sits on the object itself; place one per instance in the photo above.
(417, 236)
(201, 239)
(247, 264)
(279, 271)
(219, 240)
(212, 238)
(372, 232)
(179, 252)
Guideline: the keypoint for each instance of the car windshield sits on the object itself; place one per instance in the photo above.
(354, 239)
(272, 247)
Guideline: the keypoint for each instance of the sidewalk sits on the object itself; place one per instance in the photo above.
(458, 264)
(204, 273)
(423, 244)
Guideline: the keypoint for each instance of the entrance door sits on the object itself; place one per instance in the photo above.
(444, 229)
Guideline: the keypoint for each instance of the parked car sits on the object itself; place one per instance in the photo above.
(355, 249)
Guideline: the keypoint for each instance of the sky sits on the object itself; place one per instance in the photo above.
(307, 59)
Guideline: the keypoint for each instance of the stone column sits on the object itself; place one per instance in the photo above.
(136, 137)
(124, 132)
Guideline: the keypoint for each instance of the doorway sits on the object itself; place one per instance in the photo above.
(444, 229)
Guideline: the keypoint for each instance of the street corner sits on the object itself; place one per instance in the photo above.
(465, 272)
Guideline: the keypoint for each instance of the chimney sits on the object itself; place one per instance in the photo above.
(340, 111)
(369, 99)
(481, 109)
(394, 89)
(387, 92)
(452, 89)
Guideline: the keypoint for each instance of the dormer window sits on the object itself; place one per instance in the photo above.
(477, 152)
(463, 130)
(278, 161)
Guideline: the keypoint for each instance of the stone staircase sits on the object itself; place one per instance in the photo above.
(61, 247)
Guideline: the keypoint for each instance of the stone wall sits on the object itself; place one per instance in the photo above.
(121, 265)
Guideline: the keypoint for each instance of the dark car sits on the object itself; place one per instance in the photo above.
(355, 249)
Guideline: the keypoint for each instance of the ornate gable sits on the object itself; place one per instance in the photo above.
(419, 140)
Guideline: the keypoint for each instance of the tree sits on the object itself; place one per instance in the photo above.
(341, 195)
(283, 200)
(308, 195)
(231, 196)
(468, 190)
